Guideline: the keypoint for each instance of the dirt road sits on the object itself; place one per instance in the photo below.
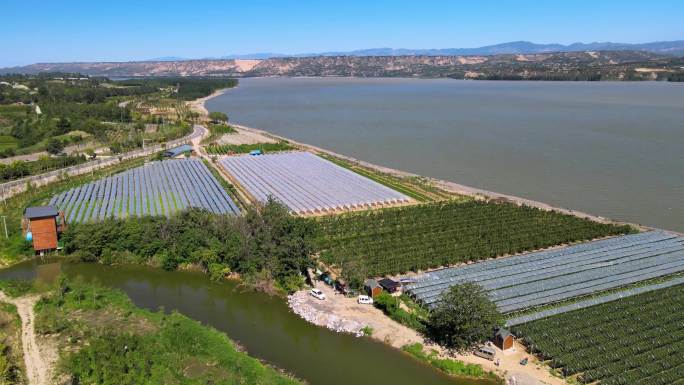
(350, 317)
(39, 362)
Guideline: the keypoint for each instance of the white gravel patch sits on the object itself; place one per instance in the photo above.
(302, 304)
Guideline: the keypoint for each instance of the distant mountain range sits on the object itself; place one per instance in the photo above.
(674, 48)
(583, 65)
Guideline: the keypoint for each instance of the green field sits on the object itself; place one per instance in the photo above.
(636, 340)
(15, 111)
(103, 338)
(246, 148)
(8, 141)
(411, 238)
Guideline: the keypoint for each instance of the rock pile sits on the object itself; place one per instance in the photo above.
(301, 304)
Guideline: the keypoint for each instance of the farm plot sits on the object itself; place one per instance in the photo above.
(306, 183)
(158, 188)
(637, 340)
(541, 278)
(418, 237)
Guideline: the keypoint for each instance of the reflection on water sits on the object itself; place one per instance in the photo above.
(262, 324)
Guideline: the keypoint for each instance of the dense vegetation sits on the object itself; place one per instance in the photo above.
(104, 339)
(676, 77)
(117, 115)
(10, 346)
(396, 308)
(464, 318)
(397, 240)
(216, 131)
(265, 244)
(245, 148)
(218, 117)
(452, 367)
(637, 340)
(189, 88)
(15, 247)
(16, 170)
(65, 104)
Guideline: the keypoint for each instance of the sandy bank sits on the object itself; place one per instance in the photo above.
(198, 104)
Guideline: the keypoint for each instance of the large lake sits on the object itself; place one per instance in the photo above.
(612, 149)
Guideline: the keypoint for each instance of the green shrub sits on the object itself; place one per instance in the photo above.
(16, 288)
(390, 305)
(452, 367)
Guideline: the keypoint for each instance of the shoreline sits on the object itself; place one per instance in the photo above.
(397, 336)
(198, 104)
(449, 186)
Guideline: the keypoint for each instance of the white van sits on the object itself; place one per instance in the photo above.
(486, 352)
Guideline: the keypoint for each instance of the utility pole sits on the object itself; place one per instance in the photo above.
(4, 222)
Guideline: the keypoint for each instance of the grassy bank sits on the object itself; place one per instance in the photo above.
(11, 355)
(103, 338)
(448, 366)
(216, 131)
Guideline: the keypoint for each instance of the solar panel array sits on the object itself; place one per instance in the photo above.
(540, 278)
(157, 188)
(306, 183)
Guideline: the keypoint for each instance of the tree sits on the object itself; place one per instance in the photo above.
(463, 318)
(115, 148)
(218, 117)
(78, 140)
(54, 146)
(63, 125)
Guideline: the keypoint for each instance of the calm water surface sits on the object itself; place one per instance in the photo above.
(262, 324)
(612, 149)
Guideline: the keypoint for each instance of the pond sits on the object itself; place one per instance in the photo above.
(263, 325)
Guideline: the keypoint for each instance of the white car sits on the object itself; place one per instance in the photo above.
(365, 300)
(317, 294)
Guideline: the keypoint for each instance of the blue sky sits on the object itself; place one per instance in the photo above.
(97, 30)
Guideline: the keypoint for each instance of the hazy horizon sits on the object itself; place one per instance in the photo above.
(79, 31)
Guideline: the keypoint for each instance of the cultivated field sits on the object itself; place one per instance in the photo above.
(158, 188)
(223, 149)
(307, 184)
(412, 238)
(633, 341)
(536, 279)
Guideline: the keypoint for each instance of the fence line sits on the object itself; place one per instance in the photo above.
(12, 188)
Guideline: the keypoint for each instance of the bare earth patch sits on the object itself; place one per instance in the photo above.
(245, 137)
(343, 314)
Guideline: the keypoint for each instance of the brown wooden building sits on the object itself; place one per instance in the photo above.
(503, 339)
(372, 288)
(43, 224)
